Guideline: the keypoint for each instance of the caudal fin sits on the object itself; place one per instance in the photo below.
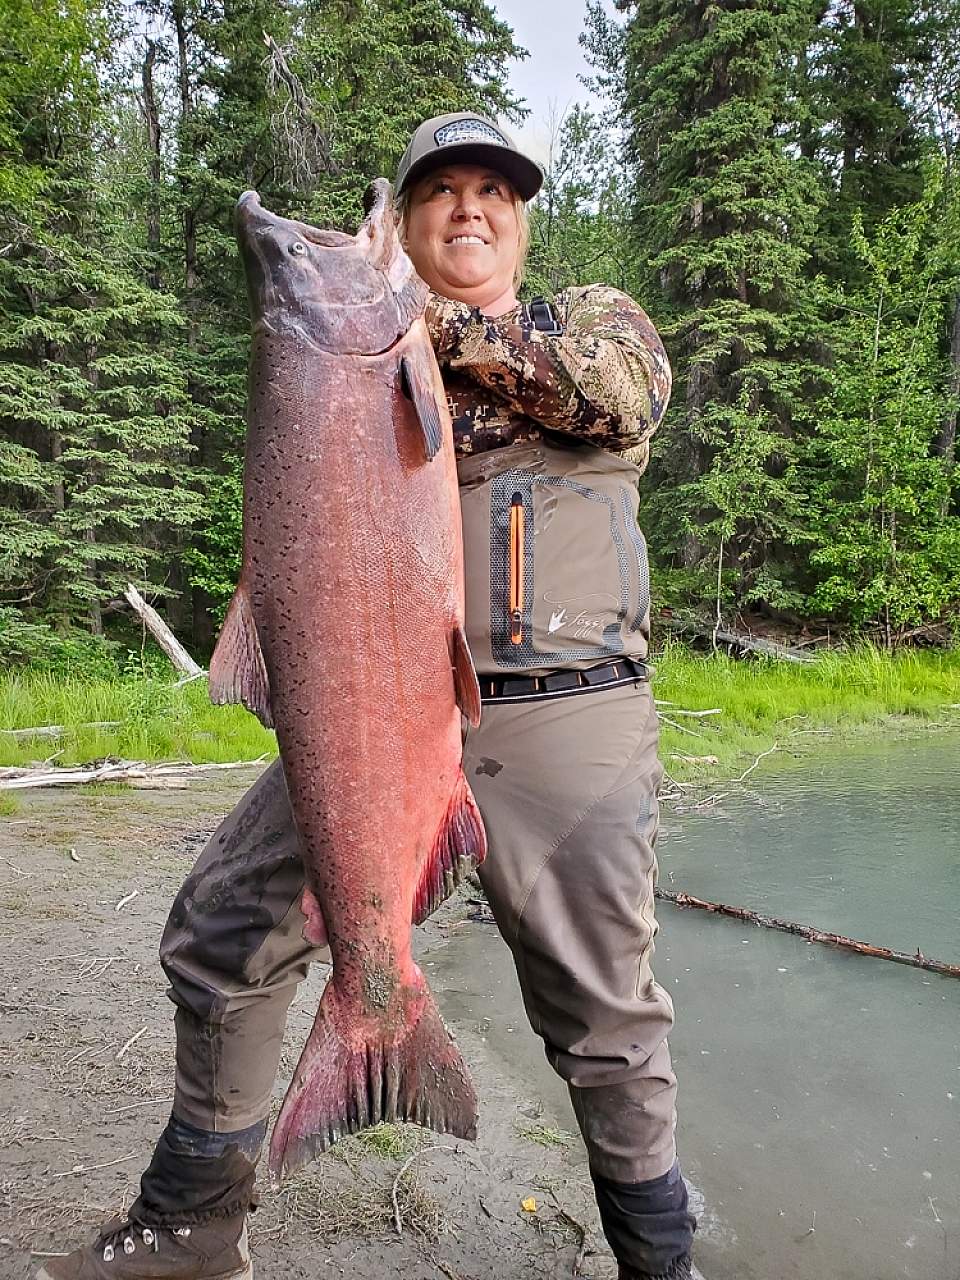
(338, 1089)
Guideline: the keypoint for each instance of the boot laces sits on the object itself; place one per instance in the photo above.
(123, 1238)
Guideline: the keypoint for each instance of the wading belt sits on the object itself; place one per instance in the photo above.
(562, 684)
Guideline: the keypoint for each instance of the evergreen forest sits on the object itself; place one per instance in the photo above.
(775, 181)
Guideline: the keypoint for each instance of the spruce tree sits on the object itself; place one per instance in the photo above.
(857, 96)
(723, 212)
(91, 409)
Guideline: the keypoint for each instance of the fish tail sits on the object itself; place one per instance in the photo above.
(460, 845)
(339, 1088)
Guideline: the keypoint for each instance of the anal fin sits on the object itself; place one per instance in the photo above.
(464, 676)
(460, 845)
(237, 669)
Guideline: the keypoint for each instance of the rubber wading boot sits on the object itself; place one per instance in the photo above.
(125, 1250)
(679, 1269)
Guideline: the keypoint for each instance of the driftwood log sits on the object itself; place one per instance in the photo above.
(737, 642)
(918, 960)
(164, 637)
(134, 772)
(58, 730)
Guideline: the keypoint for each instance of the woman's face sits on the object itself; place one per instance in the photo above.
(463, 236)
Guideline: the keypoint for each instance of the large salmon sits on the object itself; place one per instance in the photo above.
(346, 633)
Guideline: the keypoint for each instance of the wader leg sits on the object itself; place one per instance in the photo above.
(568, 792)
(234, 953)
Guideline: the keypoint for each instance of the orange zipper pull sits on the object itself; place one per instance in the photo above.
(516, 569)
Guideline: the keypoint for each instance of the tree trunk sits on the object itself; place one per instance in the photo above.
(946, 445)
(94, 615)
(152, 120)
(202, 624)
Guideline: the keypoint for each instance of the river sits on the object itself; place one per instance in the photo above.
(819, 1090)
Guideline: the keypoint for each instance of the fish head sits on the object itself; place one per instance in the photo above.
(343, 294)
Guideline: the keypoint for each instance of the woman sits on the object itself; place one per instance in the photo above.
(563, 766)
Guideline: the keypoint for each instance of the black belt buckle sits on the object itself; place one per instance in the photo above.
(602, 675)
(561, 680)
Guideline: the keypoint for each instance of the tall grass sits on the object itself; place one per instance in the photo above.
(760, 701)
(157, 721)
(763, 701)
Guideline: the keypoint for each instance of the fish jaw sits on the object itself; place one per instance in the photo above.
(355, 1072)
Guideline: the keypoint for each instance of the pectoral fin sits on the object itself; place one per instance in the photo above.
(237, 670)
(464, 676)
(416, 379)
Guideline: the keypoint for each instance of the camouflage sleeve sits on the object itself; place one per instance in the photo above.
(606, 379)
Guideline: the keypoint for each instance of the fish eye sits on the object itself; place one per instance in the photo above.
(298, 248)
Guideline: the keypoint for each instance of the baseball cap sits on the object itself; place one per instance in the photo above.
(467, 137)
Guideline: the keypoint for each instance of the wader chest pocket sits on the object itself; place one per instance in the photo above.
(568, 570)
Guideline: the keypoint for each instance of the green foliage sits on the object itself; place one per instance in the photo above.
(576, 225)
(723, 214)
(773, 181)
(887, 541)
(37, 645)
(774, 150)
(94, 413)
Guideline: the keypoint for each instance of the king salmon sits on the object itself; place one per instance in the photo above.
(345, 633)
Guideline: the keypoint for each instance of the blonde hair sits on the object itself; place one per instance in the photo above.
(402, 210)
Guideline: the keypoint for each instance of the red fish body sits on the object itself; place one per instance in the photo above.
(346, 634)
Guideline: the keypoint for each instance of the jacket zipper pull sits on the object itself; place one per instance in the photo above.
(516, 569)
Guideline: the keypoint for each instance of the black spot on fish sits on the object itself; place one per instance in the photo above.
(489, 767)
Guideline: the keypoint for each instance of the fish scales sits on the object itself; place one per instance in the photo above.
(346, 633)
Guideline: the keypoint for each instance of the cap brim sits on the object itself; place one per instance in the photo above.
(525, 175)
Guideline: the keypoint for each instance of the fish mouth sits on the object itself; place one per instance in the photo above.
(252, 218)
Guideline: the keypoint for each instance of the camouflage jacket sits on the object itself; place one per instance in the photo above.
(606, 379)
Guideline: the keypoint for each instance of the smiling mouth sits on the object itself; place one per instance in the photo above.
(455, 240)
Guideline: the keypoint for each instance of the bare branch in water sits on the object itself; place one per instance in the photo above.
(918, 960)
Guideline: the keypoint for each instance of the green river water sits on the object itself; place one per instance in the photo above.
(819, 1090)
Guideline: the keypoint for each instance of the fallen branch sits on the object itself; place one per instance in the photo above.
(128, 1044)
(164, 637)
(713, 711)
(762, 756)
(58, 730)
(681, 728)
(149, 1102)
(918, 960)
(737, 642)
(89, 1168)
(134, 772)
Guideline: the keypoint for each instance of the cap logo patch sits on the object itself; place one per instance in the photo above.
(468, 131)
